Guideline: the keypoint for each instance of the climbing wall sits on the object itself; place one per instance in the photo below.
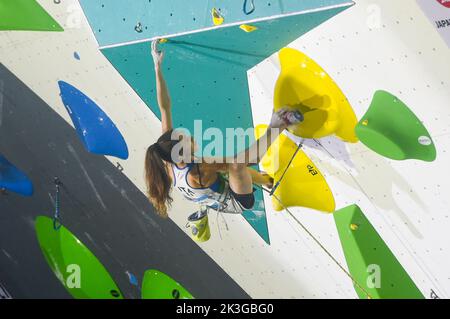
(147, 20)
(377, 45)
(372, 46)
(45, 131)
(201, 58)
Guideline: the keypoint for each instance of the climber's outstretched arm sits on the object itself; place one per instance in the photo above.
(165, 105)
(252, 156)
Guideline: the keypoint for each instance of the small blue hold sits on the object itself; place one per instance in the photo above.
(76, 56)
(132, 278)
(13, 180)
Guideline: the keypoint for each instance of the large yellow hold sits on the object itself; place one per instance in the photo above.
(305, 86)
(303, 185)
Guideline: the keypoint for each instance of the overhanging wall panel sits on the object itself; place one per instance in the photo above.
(114, 21)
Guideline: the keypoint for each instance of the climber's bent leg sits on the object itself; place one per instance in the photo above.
(241, 185)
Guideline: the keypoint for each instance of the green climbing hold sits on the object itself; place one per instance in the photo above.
(73, 263)
(157, 285)
(370, 261)
(26, 15)
(392, 130)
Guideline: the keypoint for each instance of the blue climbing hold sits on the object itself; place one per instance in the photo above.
(132, 279)
(13, 180)
(98, 133)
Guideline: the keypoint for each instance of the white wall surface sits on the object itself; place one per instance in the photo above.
(379, 44)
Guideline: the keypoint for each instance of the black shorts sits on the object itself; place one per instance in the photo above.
(247, 201)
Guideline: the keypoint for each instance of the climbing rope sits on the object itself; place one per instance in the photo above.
(252, 7)
(355, 282)
(355, 180)
(299, 147)
(272, 194)
(56, 217)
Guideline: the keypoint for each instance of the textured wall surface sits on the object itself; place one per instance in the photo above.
(162, 18)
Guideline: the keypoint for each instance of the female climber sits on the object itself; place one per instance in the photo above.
(223, 184)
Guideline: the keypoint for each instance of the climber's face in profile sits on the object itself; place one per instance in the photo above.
(186, 147)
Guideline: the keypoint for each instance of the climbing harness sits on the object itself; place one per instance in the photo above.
(198, 222)
(252, 7)
(56, 217)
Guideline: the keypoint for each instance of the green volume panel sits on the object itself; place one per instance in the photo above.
(392, 130)
(369, 259)
(25, 15)
(80, 272)
(157, 285)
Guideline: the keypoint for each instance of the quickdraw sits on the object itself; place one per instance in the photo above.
(56, 217)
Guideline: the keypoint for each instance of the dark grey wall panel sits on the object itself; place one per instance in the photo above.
(115, 220)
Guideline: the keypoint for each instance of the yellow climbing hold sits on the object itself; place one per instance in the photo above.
(163, 40)
(217, 17)
(365, 122)
(303, 185)
(248, 28)
(354, 227)
(305, 86)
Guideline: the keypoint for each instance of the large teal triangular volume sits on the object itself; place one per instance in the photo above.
(206, 70)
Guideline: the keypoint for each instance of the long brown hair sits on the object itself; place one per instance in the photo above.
(159, 183)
